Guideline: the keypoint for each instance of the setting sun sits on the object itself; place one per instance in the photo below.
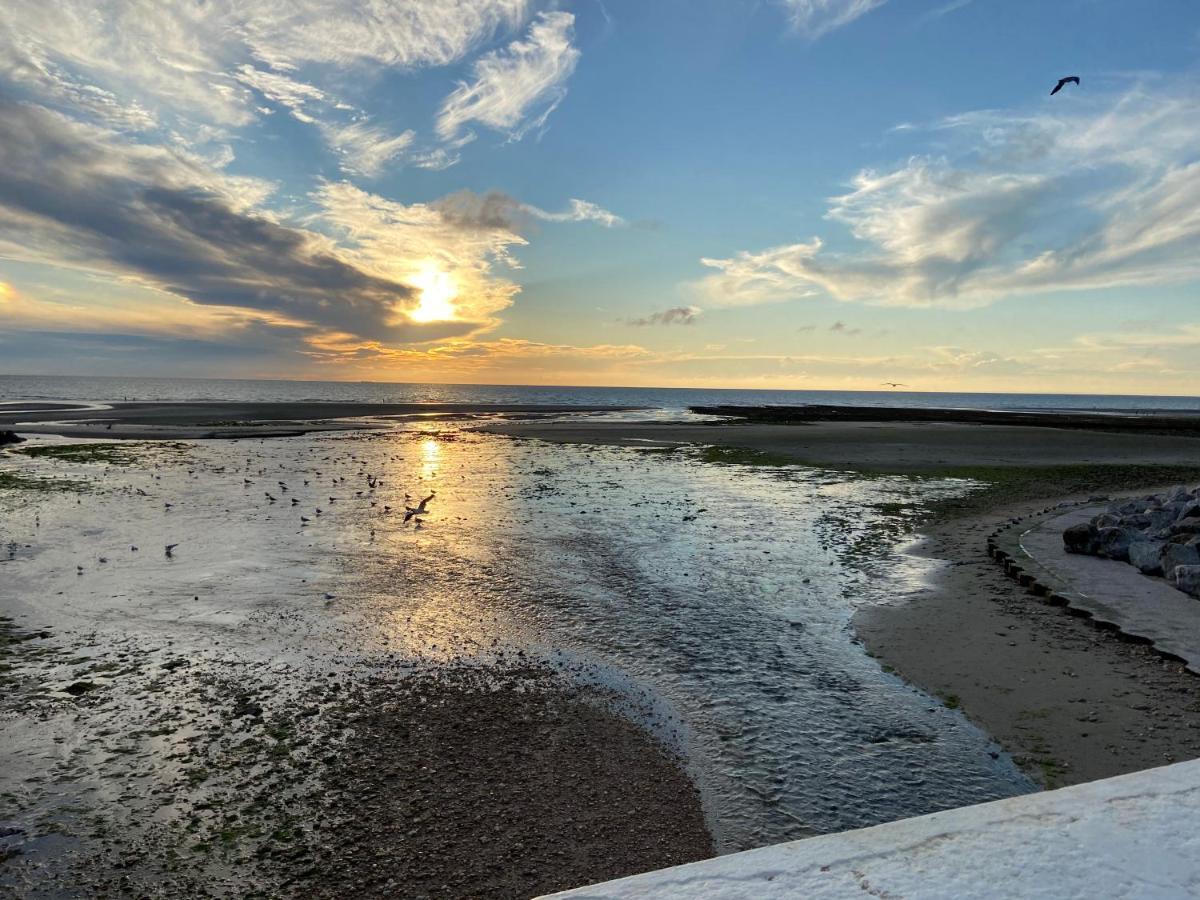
(437, 292)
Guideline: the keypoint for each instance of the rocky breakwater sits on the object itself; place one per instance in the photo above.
(1160, 534)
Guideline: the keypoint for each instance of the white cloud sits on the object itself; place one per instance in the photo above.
(1094, 196)
(282, 89)
(188, 67)
(509, 84)
(364, 148)
(578, 211)
(815, 18)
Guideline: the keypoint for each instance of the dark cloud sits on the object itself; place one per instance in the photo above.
(481, 212)
(72, 194)
(676, 315)
(842, 328)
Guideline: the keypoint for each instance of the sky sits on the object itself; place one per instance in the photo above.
(787, 194)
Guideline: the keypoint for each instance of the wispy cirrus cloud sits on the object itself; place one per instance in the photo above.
(193, 56)
(515, 89)
(816, 18)
(578, 211)
(199, 71)
(365, 149)
(1102, 194)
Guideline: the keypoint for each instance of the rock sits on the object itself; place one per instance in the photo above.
(1081, 538)
(10, 437)
(1190, 510)
(1161, 518)
(1136, 520)
(1179, 493)
(1146, 555)
(1114, 543)
(1190, 525)
(1187, 579)
(1177, 556)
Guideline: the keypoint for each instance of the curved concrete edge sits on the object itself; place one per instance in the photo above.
(1006, 548)
(1129, 836)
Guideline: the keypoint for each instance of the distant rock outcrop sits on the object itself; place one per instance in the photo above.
(1160, 534)
(9, 437)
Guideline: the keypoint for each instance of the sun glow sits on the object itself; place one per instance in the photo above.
(437, 292)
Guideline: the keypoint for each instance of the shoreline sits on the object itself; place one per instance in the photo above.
(1069, 700)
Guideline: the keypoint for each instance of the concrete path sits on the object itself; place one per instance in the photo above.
(1116, 592)
(1133, 836)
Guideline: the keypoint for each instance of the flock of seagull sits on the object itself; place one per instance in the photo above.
(414, 513)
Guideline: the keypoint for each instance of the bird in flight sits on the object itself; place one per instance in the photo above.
(894, 384)
(1062, 82)
(419, 509)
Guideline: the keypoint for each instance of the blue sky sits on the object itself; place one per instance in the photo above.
(783, 193)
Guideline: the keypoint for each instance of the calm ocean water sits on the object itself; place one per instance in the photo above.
(42, 387)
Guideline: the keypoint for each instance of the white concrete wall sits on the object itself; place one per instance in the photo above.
(1136, 836)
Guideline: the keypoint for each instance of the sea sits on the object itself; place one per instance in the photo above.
(107, 389)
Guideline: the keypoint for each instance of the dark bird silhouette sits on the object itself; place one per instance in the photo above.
(419, 509)
(894, 384)
(170, 549)
(1070, 79)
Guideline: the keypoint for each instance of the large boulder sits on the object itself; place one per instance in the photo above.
(1187, 579)
(1190, 510)
(1161, 518)
(1138, 520)
(1176, 556)
(1081, 538)
(1147, 556)
(1114, 543)
(1179, 493)
(9, 437)
(1190, 525)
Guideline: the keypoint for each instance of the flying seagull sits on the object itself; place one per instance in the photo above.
(1070, 79)
(894, 384)
(419, 509)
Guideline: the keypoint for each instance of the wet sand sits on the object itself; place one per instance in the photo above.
(207, 420)
(162, 738)
(377, 780)
(885, 446)
(1072, 702)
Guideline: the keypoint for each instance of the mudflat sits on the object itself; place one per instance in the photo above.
(884, 446)
(199, 420)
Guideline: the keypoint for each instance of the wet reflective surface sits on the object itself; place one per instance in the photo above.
(715, 600)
